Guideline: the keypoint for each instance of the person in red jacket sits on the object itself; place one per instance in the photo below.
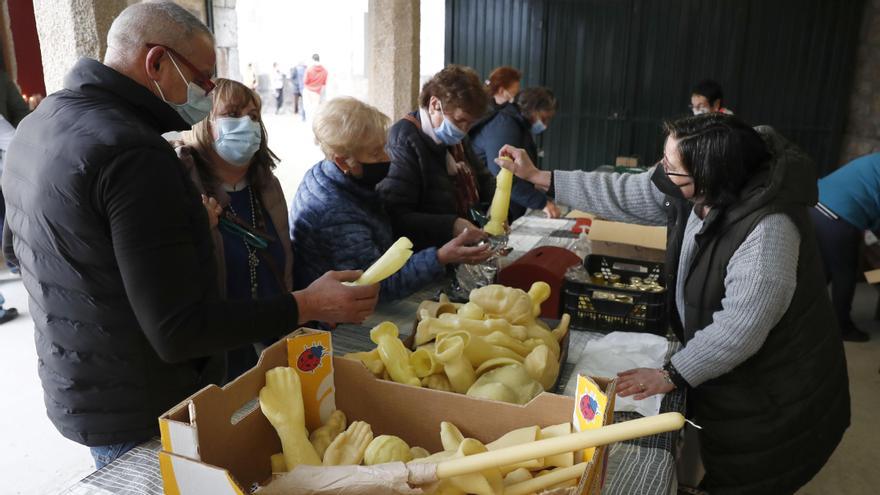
(314, 83)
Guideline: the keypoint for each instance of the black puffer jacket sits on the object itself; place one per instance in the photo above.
(505, 124)
(116, 255)
(418, 192)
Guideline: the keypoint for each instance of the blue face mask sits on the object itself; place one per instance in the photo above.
(197, 105)
(538, 127)
(238, 139)
(448, 133)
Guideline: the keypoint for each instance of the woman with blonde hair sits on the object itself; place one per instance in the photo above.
(337, 220)
(228, 159)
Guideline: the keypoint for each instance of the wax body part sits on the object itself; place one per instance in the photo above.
(510, 383)
(437, 382)
(542, 366)
(282, 404)
(565, 459)
(471, 311)
(477, 350)
(424, 363)
(349, 447)
(394, 354)
(500, 203)
(428, 328)
(562, 329)
(370, 359)
(418, 452)
(569, 443)
(517, 476)
(485, 482)
(323, 436)
(278, 464)
(493, 364)
(436, 308)
(450, 436)
(518, 437)
(458, 369)
(387, 448)
(388, 264)
(503, 340)
(548, 480)
(538, 293)
(498, 301)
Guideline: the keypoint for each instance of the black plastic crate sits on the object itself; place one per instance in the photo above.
(605, 308)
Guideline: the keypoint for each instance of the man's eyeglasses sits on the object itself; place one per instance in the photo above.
(198, 77)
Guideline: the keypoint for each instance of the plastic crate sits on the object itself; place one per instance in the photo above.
(603, 308)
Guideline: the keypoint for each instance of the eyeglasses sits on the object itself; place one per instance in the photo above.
(665, 164)
(198, 77)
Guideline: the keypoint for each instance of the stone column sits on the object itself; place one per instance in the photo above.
(393, 55)
(70, 29)
(226, 36)
(862, 134)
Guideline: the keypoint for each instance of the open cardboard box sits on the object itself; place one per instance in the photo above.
(203, 451)
(624, 240)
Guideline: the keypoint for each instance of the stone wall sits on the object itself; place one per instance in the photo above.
(226, 36)
(862, 134)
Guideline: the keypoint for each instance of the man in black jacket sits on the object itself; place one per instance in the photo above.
(114, 242)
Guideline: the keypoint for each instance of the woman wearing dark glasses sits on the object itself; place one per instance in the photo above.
(762, 358)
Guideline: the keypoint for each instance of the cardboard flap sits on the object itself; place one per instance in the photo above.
(872, 276)
(221, 442)
(418, 412)
(630, 234)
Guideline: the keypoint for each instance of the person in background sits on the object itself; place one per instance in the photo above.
(849, 204)
(436, 179)
(228, 159)
(763, 365)
(115, 244)
(337, 220)
(297, 77)
(278, 87)
(250, 77)
(503, 85)
(707, 97)
(517, 124)
(314, 82)
(13, 108)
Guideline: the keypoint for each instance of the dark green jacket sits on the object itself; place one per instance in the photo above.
(771, 423)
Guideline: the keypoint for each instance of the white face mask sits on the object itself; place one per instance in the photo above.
(700, 110)
(238, 139)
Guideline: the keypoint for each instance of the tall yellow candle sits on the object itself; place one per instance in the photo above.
(500, 203)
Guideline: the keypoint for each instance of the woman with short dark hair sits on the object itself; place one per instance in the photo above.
(517, 124)
(762, 358)
(436, 180)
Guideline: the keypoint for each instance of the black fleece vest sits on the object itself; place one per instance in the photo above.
(772, 422)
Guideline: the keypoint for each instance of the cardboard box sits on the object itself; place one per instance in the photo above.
(626, 161)
(203, 451)
(624, 240)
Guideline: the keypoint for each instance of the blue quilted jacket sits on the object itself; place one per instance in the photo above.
(337, 224)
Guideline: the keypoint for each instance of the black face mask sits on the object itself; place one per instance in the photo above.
(665, 184)
(373, 173)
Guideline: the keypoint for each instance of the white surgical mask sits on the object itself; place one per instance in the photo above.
(238, 139)
(198, 104)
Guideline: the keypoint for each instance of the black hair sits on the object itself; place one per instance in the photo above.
(710, 89)
(537, 99)
(720, 152)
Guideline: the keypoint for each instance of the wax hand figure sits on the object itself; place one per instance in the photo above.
(115, 246)
(849, 204)
(517, 124)
(227, 157)
(435, 178)
(762, 358)
(338, 221)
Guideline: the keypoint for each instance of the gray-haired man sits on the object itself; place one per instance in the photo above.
(114, 242)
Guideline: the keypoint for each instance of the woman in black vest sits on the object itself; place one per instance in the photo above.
(762, 358)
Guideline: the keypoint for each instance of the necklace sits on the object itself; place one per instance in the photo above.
(253, 259)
